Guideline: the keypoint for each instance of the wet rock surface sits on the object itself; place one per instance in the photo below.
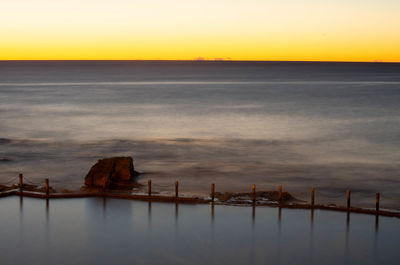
(112, 172)
(246, 196)
(27, 187)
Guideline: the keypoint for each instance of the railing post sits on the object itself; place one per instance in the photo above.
(46, 187)
(312, 197)
(378, 195)
(254, 193)
(21, 181)
(348, 198)
(176, 188)
(212, 192)
(280, 193)
(149, 187)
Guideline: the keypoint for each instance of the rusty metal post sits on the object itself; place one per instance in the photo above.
(176, 188)
(280, 193)
(21, 181)
(254, 193)
(212, 192)
(378, 195)
(348, 198)
(149, 186)
(312, 197)
(46, 187)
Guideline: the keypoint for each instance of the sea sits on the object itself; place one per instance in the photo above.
(113, 231)
(332, 126)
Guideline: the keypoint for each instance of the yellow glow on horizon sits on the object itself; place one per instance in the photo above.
(302, 30)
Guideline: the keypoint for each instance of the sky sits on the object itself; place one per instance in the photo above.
(284, 30)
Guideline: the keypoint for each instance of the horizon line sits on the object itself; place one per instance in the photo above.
(194, 60)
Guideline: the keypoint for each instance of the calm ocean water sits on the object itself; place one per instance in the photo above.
(95, 231)
(329, 125)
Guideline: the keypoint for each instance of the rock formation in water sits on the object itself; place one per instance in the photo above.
(112, 171)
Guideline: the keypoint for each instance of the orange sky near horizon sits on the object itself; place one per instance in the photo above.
(286, 30)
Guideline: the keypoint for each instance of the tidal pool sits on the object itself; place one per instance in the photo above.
(111, 231)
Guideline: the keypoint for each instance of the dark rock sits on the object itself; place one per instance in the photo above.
(244, 196)
(111, 171)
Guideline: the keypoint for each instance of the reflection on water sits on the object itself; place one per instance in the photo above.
(347, 236)
(212, 212)
(312, 217)
(311, 248)
(253, 213)
(279, 243)
(94, 231)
